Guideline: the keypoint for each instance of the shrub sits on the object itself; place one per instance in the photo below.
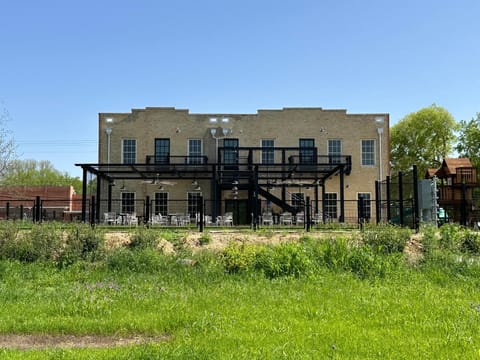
(82, 242)
(386, 239)
(239, 258)
(450, 237)
(143, 238)
(39, 244)
(470, 242)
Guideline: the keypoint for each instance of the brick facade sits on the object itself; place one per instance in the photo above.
(285, 127)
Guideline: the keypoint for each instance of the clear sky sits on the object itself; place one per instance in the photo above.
(62, 62)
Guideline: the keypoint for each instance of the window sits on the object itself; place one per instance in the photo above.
(368, 152)
(161, 203)
(231, 151)
(268, 155)
(307, 151)
(194, 151)
(298, 201)
(128, 202)
(330, 205)
(192, 204)
(129, 151)
(334, 151)
(162, 151)
(364, 206)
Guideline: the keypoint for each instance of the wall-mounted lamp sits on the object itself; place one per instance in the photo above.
(178, 130)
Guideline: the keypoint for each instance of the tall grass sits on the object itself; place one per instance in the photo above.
(344, 298)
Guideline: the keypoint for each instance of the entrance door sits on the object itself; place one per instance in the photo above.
(239, 210)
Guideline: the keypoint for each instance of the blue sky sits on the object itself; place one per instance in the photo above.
(63, 62)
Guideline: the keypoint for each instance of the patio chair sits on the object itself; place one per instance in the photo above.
(109, 218)
(286, 218)
(267, 219)
(228, 219)
(132, 219)
(300, 218)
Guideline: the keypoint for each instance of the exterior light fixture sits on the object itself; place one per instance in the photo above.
(161, 188)
(198, 188)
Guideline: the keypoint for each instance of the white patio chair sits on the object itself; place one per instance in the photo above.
(300, 218)
(228, 219)
(286, 218)
(267, 219)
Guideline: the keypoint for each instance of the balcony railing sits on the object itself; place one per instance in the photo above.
(180, 160)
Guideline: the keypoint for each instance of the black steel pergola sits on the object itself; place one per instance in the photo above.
(295, 167)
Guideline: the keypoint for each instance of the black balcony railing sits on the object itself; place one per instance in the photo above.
(180, 160)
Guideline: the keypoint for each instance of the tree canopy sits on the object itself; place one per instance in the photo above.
(423, 138)
(32, 172)
(469, 140)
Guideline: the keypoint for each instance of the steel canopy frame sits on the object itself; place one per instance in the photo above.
(291, 174)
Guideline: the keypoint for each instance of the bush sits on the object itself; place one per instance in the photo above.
(239, 258)
(470, 242)
(386, 239)
(450, 237)
(143, 238)
(39, 244)
(82, 242)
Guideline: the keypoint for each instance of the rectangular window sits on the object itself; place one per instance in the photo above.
(161, 203)
(195, 151)
(192, 203)
(298, 201)
(231, 151)
(364, 206)
(268, 154)
(129, 151)
(330, 203)
(162, 151)
(128, 202)
(307, 151)
(334, 151)
(368, 152)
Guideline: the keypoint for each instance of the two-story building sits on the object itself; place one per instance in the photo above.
(161, 160)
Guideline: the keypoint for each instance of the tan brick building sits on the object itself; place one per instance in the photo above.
(161, 159)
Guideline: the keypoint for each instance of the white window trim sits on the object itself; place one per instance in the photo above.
(121, 149)
(374, 153)
(341, 146)
(262, 148)
(201, 145)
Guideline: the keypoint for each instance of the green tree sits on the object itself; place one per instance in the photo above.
(32, 172)
(423, 138)
(469, 140)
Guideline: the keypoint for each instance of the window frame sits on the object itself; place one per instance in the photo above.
(194, 154)
(127, 155)
(330, 205)
(268, 152)
(192, 207)
(334, 157)
(370, 155)
(160, 204)
(127, 205)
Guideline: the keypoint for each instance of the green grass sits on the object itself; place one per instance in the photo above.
(311, 300)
